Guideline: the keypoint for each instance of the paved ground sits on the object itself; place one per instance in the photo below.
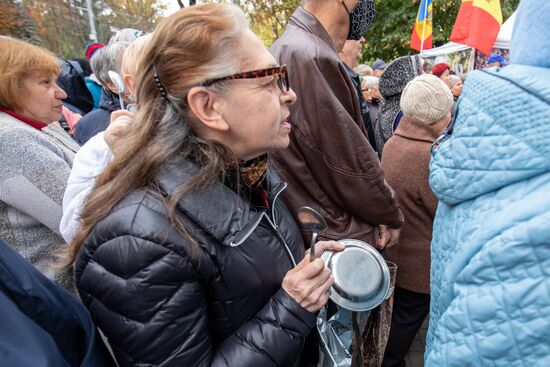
(415, 357)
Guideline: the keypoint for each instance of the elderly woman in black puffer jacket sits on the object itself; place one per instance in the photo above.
(186, 254)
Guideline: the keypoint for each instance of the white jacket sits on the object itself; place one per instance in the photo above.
(89, 162)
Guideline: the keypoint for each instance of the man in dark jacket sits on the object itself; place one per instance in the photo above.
(330, 164)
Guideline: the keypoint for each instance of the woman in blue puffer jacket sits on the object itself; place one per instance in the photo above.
(490, 277)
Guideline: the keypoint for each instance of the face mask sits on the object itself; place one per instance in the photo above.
(360, 19)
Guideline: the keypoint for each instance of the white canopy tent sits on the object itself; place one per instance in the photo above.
(503, 41)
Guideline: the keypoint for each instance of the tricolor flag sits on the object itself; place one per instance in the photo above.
(421, 38)
(477, 24)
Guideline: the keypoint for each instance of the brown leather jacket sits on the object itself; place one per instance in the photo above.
(329, 164)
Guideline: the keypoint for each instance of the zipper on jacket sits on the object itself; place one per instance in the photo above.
(275, 200)
(271, 222)
(281, 238)
(252, 229)
(257, 223)
(276, 229)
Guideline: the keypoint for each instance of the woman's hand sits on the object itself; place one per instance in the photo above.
(310, 281)
(120, 123)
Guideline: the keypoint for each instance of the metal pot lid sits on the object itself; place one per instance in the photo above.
(361, 276)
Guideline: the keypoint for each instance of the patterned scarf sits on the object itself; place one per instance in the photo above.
(253, 171)
(249, 180)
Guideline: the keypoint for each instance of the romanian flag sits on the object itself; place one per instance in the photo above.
(477, 24)
(421, 38)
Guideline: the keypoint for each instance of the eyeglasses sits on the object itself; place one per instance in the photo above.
(280, 72)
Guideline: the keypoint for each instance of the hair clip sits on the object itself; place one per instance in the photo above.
(159, 85)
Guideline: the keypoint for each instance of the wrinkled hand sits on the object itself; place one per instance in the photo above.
(120, 123)
(387, 237)
(310, 281)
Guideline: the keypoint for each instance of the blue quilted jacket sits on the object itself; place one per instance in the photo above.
(490, 273)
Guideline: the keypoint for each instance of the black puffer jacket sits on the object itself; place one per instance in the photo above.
(226, 307)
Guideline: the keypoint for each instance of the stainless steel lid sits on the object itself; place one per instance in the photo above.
(361, 276)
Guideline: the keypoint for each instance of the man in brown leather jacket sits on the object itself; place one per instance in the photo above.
(330, 164)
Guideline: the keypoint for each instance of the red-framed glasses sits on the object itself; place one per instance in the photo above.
(280, 72)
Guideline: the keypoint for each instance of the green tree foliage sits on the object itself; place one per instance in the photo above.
(8, 17)
(268, 18)
(15, 22)
(390, 34)
(60, 26)
(139, 14)
(63, 27)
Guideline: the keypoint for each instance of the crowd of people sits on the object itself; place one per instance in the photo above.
(164, 212)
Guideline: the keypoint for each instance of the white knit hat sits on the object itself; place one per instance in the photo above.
(426, 98)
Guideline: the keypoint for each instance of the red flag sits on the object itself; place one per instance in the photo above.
(477, 24)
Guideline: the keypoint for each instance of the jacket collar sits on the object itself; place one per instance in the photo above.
(109, 101)
(350, 71)
(38, 125)
(305, 20)
(217, 209)
(413, 129)
(52, 131)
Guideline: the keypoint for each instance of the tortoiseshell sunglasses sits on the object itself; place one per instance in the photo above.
(278, 71)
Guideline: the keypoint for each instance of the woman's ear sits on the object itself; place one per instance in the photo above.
(206, 106)
(111, 87)
(129, 80)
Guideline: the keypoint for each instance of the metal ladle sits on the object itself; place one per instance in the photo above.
(313, 221)
(117, 80)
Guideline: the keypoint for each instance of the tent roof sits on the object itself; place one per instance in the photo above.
(505, 34)
(503, 41)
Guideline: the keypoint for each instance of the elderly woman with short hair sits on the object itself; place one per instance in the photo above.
(106, 59)
(371, 92)
(455, 83)
(36, 157)
(426, 104)
(363, 70)
(443, 72)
